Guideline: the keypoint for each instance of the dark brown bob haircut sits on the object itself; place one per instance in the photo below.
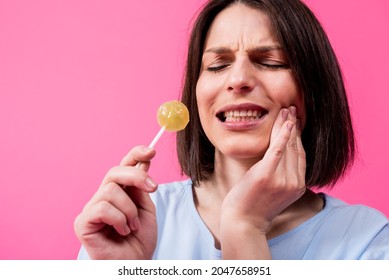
(328, 137)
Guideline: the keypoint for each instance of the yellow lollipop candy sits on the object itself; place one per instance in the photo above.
(173, 115)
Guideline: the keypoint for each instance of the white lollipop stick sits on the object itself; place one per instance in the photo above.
(155, 140)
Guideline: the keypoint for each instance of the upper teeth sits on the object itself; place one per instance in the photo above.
(241, 113)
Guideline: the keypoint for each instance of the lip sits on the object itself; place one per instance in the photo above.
(242, 125)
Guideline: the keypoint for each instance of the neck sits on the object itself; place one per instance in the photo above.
(228, 172)
(210, 195)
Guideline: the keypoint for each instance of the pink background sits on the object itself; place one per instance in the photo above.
(80, 83)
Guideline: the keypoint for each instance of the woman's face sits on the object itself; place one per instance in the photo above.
(244, 82)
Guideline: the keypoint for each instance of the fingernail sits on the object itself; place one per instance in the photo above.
(126, 230)
(150, 184)
(284, 114)
(293, 111)
(289, 125)
(135, 224)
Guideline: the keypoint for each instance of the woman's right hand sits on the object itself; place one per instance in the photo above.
(119, 222)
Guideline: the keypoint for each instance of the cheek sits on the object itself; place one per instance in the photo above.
(206, 92)
(205, 87)
(285, 92)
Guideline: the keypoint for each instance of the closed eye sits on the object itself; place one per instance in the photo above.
(271, 58)
(274, 66)
(217, 68)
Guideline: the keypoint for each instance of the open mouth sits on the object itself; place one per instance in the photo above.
(231, 116)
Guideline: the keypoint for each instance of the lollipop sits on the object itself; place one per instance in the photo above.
(172, 116)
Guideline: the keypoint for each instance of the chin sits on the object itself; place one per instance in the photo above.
(243, 153)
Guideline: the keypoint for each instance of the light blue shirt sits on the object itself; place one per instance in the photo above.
(339, 231)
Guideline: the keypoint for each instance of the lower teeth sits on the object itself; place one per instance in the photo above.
(241, 119)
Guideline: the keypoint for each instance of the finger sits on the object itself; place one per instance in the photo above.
(131, 179)
(99, 216)
(276, 149)
(280, 120)
(141, 199)
(130, 176)
(117, 196)
(139, 154)
(291, 151)
(302, 162)
(289, 161)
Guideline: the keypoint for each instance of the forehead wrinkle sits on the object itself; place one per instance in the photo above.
(260, 49)
(221, 41)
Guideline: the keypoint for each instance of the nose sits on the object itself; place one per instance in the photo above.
(241, 79)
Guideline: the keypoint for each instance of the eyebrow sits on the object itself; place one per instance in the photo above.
(264, 49)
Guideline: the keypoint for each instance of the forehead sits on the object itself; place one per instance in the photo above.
(240, 26)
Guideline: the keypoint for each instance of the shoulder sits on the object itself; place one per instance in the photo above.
(338, 209)
(362, 231)
(360, 223)
(344, 231)
(172, 192)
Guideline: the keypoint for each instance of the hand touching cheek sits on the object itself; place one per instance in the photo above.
(274, 182)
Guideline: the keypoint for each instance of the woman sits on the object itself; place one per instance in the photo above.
(269, 121)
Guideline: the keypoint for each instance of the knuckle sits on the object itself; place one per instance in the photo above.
(109, 177)
(293, 145)
(77, 223)
(110, 189)
(112, 170)
(292, 181)
(278, 152)
(102, 208)
(282, 183)
(136, 152)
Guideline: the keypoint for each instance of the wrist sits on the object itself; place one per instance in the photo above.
(242, 239)
(246, 224)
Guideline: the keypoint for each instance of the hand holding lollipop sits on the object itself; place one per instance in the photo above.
(127, 210)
